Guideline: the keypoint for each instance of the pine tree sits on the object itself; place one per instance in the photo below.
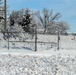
(11, 21)
(1, 11)
(26, 21)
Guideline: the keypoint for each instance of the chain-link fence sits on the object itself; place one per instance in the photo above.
(21, 40)
(67, 42)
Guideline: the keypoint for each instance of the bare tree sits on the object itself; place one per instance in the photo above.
(55, 27)
(63, 27)
(46, 17)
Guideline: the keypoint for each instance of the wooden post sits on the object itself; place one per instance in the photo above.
(8, 39)
(58, 41)
(36, 38)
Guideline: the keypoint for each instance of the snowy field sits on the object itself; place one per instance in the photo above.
(37, 63)
(45, 42)
(21, 59)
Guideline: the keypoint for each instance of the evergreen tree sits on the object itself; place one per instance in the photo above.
(1, 11)
(26, 21)
(11, 21)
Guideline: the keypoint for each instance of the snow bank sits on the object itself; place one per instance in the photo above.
(37, 63)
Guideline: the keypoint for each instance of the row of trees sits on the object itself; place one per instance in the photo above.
(42, 20)
(28, 20)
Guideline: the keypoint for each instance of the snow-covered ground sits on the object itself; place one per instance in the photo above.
(16, 62)
(45, 42)
(21, 59)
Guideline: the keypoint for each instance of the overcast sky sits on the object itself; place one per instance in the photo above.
(67, 8)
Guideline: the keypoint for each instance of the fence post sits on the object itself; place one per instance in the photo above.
(35, 38)
(8, 40)
(58, 41)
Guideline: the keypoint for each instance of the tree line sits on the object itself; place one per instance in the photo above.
(28, 20)
(41, 19)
